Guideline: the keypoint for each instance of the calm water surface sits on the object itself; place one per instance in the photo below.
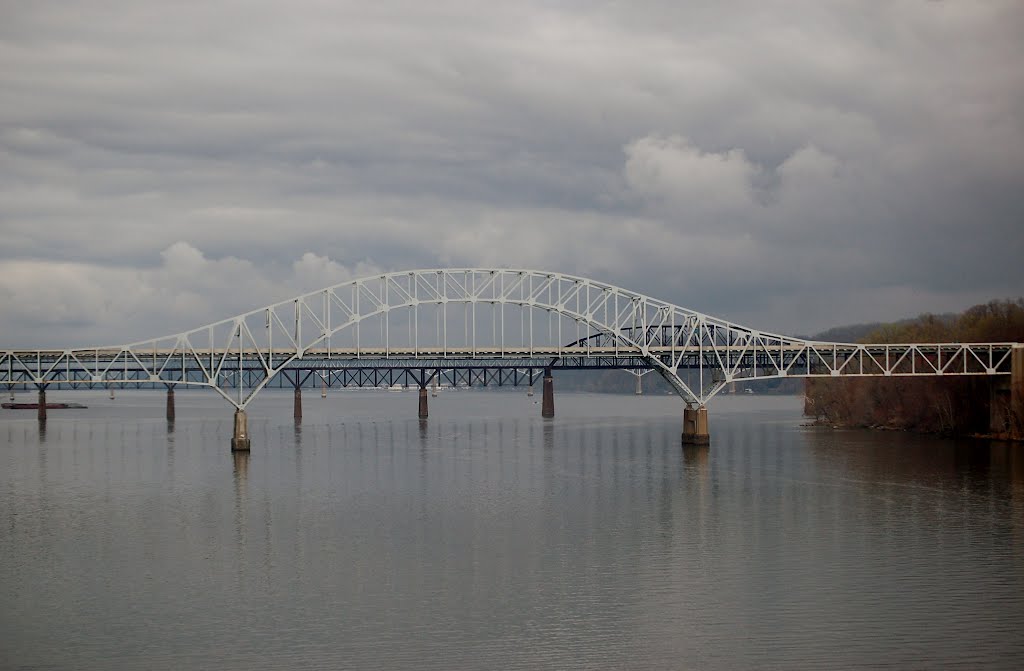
(487, 537)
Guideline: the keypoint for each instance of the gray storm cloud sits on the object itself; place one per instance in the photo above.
(166, 164)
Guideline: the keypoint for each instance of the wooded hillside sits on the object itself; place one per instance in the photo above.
(950, 405)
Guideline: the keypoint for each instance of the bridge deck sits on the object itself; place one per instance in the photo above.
(513, 352)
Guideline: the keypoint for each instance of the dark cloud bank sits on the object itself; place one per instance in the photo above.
(165, 164)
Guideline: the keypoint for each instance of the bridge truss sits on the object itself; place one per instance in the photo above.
(478, 324)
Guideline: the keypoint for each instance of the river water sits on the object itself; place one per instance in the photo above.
(487, 537)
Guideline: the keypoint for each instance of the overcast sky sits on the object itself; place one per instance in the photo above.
(791, 166)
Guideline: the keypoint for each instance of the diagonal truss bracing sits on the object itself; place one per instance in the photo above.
(469, 319)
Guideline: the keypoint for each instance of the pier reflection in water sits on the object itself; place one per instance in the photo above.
(489, 537)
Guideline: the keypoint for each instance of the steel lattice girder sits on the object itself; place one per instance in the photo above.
(481, 319)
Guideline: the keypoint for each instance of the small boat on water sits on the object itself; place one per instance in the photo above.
(35, 406)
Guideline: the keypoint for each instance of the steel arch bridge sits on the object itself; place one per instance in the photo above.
(421, 326)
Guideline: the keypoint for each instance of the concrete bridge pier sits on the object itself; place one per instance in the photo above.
(639, 386)
(41, 413)
(297, 404)
(170, 403)
(529, 392)
(695, 425)
(1006, 399)
(547, 408)
(1017, 393)
(423, 403)
(240, 438)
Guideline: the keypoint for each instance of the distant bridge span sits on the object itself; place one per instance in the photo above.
(424, 325)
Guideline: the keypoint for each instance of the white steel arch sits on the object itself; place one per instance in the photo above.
(413, 319)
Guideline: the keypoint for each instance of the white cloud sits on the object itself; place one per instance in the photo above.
(313, 271)
(68, 304)
(678, 176)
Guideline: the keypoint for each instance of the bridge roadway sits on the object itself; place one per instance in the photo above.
(483, 325)
(817, 359)
(713, 366)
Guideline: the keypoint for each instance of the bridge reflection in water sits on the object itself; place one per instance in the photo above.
(594, 537)
(481, 326)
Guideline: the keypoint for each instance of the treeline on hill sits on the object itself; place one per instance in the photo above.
(950, 405)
